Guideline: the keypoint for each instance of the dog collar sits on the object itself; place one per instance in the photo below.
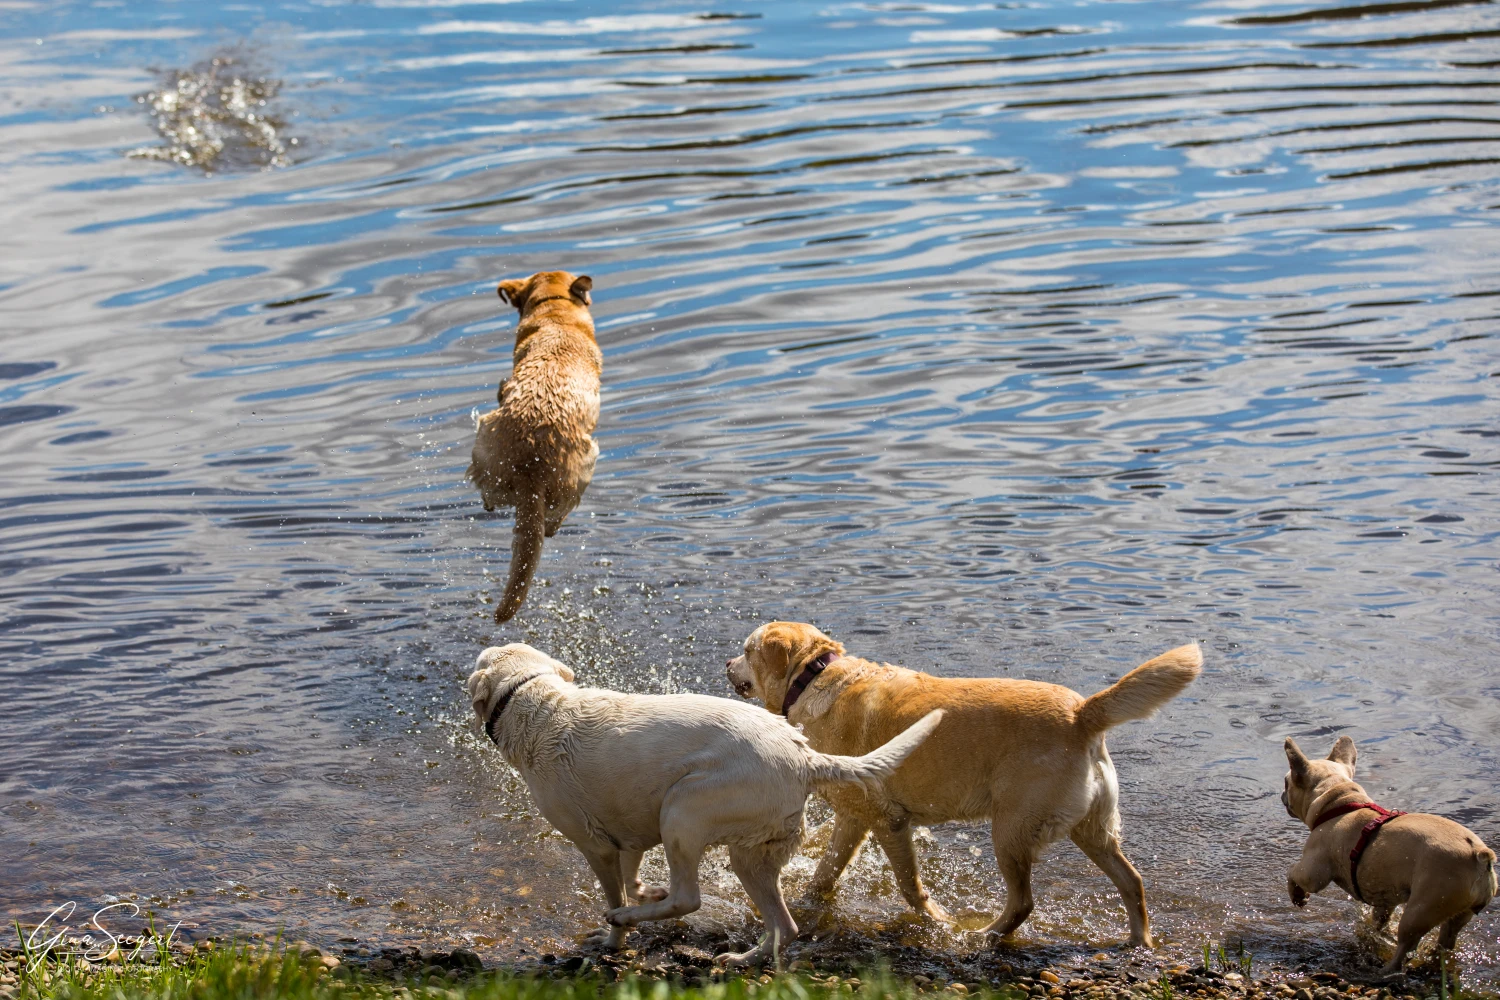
(532, 305)
(1366, 834)
(489, 725)
(811, 670)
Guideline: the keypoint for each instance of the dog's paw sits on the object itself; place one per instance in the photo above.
(605, 938)
(620, 916)
(1298, 894)
(638, 893)
(816, 896)
(932, 911)
(739, 960)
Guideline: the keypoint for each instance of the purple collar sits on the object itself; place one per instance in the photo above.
(812, 669)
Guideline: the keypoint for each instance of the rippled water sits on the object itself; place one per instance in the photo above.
(1021, 340)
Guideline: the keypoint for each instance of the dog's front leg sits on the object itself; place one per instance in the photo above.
(848, 834)
(895, 840)
(630, 872)
(1307, 876)
(604, 859)
(683, 895)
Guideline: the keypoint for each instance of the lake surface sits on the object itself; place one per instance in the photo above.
(998, 340)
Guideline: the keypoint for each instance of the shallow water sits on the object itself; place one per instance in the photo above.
(1022, 340)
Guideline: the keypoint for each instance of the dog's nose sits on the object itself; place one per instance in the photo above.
(728, 664)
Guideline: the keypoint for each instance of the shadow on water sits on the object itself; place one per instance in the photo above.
(1024, 341)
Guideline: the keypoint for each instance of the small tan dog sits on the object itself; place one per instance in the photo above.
(1439, 869)
(1028, 756)
(535, 451)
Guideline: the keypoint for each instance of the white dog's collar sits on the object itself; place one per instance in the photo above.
(490, 723)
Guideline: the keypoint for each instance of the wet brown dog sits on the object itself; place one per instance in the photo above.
(1028, 756)
(535, 451)
(1439, 869)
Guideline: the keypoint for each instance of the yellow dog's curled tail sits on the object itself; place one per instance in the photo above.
(1142, 691)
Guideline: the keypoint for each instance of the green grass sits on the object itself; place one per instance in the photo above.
(259, 973)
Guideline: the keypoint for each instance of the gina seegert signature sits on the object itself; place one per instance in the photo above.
(55, 929)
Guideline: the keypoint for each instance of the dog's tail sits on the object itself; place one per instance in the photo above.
(1485, 885)
(525, 553)
(871, 770)
(1142, 691)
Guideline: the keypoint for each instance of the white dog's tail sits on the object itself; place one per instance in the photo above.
(874, 767)
(1142, 691)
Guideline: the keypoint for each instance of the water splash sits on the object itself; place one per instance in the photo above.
(217, 116)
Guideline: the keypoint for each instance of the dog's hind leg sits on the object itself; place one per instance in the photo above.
(895, 840)
(1103, 849)
(1013, 855)
(684, 849)
(630, 872)
(563, 497)
(1416, 920)
(1448, 936)
(848, 834)
(759, 871)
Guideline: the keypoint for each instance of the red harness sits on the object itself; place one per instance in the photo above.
(1366, 834)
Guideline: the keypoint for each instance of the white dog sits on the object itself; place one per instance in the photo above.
(618, 774)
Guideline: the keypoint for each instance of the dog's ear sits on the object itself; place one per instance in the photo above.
(564, 671)
(775, 654)
(1294, 757)
(480, 689)
(1343, 752)
(580, 288)
(809, 643)
(513, 291)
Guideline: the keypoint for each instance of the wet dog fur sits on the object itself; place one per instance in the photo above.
(536, 451)
(1025, 755)
(618, 774)
(1440, 870)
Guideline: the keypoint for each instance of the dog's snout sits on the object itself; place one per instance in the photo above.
(743, 686)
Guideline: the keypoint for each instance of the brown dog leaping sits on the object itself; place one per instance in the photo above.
(536, 451)
(1439, 869)
(1025, 755)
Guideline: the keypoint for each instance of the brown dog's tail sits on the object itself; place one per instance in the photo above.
(1142, 691)
(525, 553)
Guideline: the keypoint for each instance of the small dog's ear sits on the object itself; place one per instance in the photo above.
(513, 292)
(1343, 752)
(1294, 757)
(564, 671)
(580, 288)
